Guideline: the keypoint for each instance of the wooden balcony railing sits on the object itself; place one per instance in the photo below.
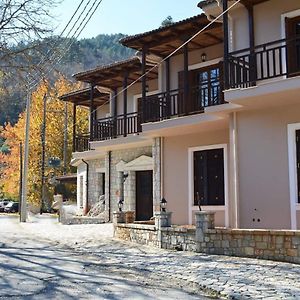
(266, 61)
(166, 105)
(81, 142)
(113, 127)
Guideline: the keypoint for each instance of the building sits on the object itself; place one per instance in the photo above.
(218, 122)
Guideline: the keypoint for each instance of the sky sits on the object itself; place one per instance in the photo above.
(127, 16)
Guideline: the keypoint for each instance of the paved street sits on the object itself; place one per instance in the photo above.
(43, 258)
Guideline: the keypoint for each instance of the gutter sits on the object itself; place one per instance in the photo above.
(87, 186)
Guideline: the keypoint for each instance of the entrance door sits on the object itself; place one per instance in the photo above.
(293, 45)
(209, 177)
(144, 195)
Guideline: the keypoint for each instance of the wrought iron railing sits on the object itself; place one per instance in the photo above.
(166, 105)
(113, 127)
(81, 142)
(266, 61)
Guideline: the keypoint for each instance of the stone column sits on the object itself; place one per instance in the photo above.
(162, 219)
(118, 218)
(106, 188)
(129, 192)
(156, 152)
(204, 220)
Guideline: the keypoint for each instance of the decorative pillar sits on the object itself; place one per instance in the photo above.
(226, 44)
(156, 153)
(204, 220)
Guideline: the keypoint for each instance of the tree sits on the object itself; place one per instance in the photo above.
(23, 25)
(167, 21)
(54, 138)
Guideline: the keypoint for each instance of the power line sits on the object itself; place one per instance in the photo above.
(74, 37)
(170, 55)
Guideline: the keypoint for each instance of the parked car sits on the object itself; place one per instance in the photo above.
(12, 207)
(3, 203)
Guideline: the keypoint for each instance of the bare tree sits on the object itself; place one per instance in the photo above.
(23, 26)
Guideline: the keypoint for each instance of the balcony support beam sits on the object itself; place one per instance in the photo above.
(125, 84)
(92, 111)
(168, 86)
(186, 86)
(144, 78)
(74, 125)
(252, 45)
(226, 44)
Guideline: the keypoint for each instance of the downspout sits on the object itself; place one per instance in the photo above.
(109, 185)
(87, 186)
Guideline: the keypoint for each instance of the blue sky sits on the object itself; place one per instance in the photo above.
(127, 16)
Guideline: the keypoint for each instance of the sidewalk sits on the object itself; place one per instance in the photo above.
(225, 277)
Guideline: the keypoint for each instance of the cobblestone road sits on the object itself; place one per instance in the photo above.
(226, 277)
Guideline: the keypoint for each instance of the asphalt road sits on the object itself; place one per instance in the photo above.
(32, 266)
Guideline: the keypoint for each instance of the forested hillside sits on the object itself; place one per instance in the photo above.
(81, 55)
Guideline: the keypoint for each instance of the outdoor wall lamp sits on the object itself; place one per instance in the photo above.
(163, 204)
(203, 57)
(120, 205)
(125, 176)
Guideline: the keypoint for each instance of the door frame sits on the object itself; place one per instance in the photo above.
(293, 181)
(191, 206)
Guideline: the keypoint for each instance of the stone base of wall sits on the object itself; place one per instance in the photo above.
(140, 234)
(280, 245)
(82, 220)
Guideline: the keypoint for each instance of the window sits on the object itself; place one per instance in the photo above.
(208, 84)
(209, 177)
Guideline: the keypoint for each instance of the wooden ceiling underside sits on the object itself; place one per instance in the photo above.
(113, 77)
(165, 41)
(82, 97)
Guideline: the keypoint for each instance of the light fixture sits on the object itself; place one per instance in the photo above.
(120, 205)
(203, 57)
(163, 204)
(125, 176)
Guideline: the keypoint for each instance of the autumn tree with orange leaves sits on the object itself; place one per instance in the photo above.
(54, 139)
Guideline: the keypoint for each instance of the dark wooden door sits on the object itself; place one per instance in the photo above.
(293, 45)
(209, 177)
(144, 195)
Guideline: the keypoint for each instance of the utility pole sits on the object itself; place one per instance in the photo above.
(21, 175)
(23, 216)
(65, 138)
(43, 137)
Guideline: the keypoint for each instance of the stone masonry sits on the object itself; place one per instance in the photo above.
(279, 245)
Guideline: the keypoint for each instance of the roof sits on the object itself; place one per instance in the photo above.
(204, 3)
(164, 40)
(112, 75)
(68, 178)
(82, 97)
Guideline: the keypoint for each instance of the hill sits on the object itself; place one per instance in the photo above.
(81, 55)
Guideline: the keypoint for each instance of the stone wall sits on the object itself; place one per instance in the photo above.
(281, 245)
(140, 234)
(126, 155)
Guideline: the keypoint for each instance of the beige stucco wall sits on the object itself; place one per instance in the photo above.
(175, 171)
(298, 219)
(267, 22)
(263, 166)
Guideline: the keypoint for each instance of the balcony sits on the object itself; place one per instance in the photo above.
(113, 127)
(81, 142)
(173, 104)
(264, 62)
